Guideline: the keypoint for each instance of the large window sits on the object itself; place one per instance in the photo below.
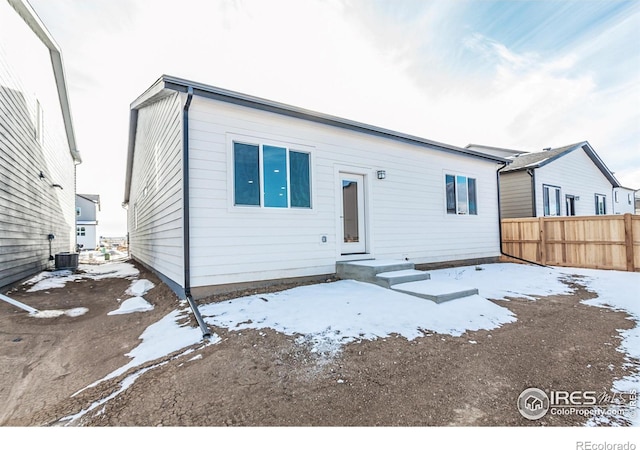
(551, 200)
(461, 195)
(601, 204)
(271, 176)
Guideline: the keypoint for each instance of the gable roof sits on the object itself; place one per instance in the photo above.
(167, 84)
(26, 12)
(540, 159)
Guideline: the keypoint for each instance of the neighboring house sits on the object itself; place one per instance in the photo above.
(223, 188)
(38, 152)
(565, 181)
(87, 207)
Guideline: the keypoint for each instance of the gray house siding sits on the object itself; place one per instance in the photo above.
(516, 199)
(37, 168)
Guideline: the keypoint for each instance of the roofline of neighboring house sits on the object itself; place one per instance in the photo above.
(30, 17)
(591, 153)
(96, 201)
(166, 83)
(490, 147)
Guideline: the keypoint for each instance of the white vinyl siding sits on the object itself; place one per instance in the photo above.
(625, 202)
(404, 212)
(575, 174)
(32, 142)
(155, 205)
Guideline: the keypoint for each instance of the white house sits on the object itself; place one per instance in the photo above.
(565, 181)
(225, 189)
(38, 153)
(87, 207)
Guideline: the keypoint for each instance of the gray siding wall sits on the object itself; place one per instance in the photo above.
(516, 197)
(30, 207)
(155, 203)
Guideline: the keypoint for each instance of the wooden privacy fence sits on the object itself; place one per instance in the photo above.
(594, 242)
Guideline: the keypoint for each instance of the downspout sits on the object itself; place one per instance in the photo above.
(500, 223)
(534, 206)
(185, 216)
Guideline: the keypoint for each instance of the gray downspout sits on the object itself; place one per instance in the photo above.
(185, 216)
(534, 207)
(500, 223)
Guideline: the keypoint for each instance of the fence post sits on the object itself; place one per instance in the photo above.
(543, 242)
(628, 242)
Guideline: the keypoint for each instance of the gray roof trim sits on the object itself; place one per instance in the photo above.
(541, 159)
(166, 84)
(33, 21)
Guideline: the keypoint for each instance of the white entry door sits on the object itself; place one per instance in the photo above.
(352, 217)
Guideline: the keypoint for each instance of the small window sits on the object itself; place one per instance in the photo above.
(275, 177)
(78, 211)
(299, 169)
(247, 174)
(81, 231)
(551, 200)
(601, 204)
(461, 195)
(285, 181)
(629, 198)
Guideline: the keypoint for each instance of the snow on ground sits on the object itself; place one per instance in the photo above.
(59, 278)
(330, 315)
(501, 281)
(327, 316)
(619, 291)
(131, 305)
(140, 287)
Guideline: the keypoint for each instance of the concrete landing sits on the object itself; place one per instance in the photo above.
(437, 291)
(402, 276)
(385, 273)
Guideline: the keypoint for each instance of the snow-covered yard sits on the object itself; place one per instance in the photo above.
(326, 316)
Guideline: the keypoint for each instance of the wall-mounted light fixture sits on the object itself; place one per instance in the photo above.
(382, 174)
(576, 198)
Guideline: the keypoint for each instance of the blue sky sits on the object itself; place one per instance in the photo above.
(514, 74)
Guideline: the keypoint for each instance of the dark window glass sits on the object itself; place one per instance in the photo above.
(300, 182)
(451, 194)
(246, 160)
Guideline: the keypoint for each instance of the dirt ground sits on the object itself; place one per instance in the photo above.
(258, 378)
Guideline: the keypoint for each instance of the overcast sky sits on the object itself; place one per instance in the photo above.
(513, 74)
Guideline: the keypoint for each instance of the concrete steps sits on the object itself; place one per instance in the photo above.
(401, 276)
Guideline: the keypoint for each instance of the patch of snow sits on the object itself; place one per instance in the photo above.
(59, 278)
(51, 313)
(160, 339)
(131, 305)
(140, 287)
